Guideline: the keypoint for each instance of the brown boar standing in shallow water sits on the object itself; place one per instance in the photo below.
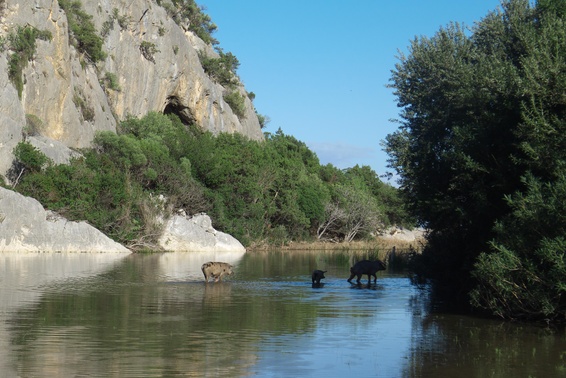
(216, 270)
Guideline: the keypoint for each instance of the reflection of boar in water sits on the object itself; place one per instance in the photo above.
(216, 270)
(366, 267)
(317, 275)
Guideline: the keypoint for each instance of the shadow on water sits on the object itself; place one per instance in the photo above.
(153, 315)
(366, 286)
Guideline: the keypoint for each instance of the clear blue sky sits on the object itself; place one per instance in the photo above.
(319, 68)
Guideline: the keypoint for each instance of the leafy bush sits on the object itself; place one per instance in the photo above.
(148, 50)
(92, 189)
(222, 69)
(30, 157)
(28, 161)
(110, 81)
(524, 274)
(237, 103)
(198, 22)
(83, 32)
(22, 45)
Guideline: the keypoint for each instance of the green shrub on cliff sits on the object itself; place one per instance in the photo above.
(22, 46)
(237, 103)
(198, 21)
(83, 32)
(30, 158)
(222, 69)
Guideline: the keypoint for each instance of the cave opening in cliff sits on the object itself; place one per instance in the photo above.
(174, 106)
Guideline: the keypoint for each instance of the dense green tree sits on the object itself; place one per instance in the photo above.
(480, 112)
(301, 194)
(390, 205)
(524, 276)
(260, 188)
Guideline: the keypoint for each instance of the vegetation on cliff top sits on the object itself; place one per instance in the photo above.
(198, 21)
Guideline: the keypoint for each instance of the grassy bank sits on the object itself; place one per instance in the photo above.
(378, 248)
(381, 244)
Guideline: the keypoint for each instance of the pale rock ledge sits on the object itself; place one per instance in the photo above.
(182, 233)
(26, 227)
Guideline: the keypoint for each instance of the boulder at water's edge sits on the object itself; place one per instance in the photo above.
(196, 233)
(26, 227)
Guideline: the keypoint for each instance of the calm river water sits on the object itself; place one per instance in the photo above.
(98, 315)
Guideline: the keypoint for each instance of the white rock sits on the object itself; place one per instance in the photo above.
(26, 227)
(403, 234)
(196, 234)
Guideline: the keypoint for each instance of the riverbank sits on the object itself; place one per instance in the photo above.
(380, 244)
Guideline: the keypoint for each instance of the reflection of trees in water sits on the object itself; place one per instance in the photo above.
(446, 344)
(131, 321)
(127, 320)
(283, 263)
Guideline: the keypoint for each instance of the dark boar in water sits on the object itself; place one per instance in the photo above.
(317, 275)
(366, 267)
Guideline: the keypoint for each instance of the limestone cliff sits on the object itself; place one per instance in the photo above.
(69, 100)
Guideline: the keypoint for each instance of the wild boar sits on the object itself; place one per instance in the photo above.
(366, 267)
(317, 275)
(216, 270)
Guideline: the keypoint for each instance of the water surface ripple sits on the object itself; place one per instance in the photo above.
(153, 316)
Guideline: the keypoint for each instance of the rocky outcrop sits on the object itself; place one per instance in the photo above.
(72, 99)
(196, 233)
(56, 151)
(403, 234)
(26, 227)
